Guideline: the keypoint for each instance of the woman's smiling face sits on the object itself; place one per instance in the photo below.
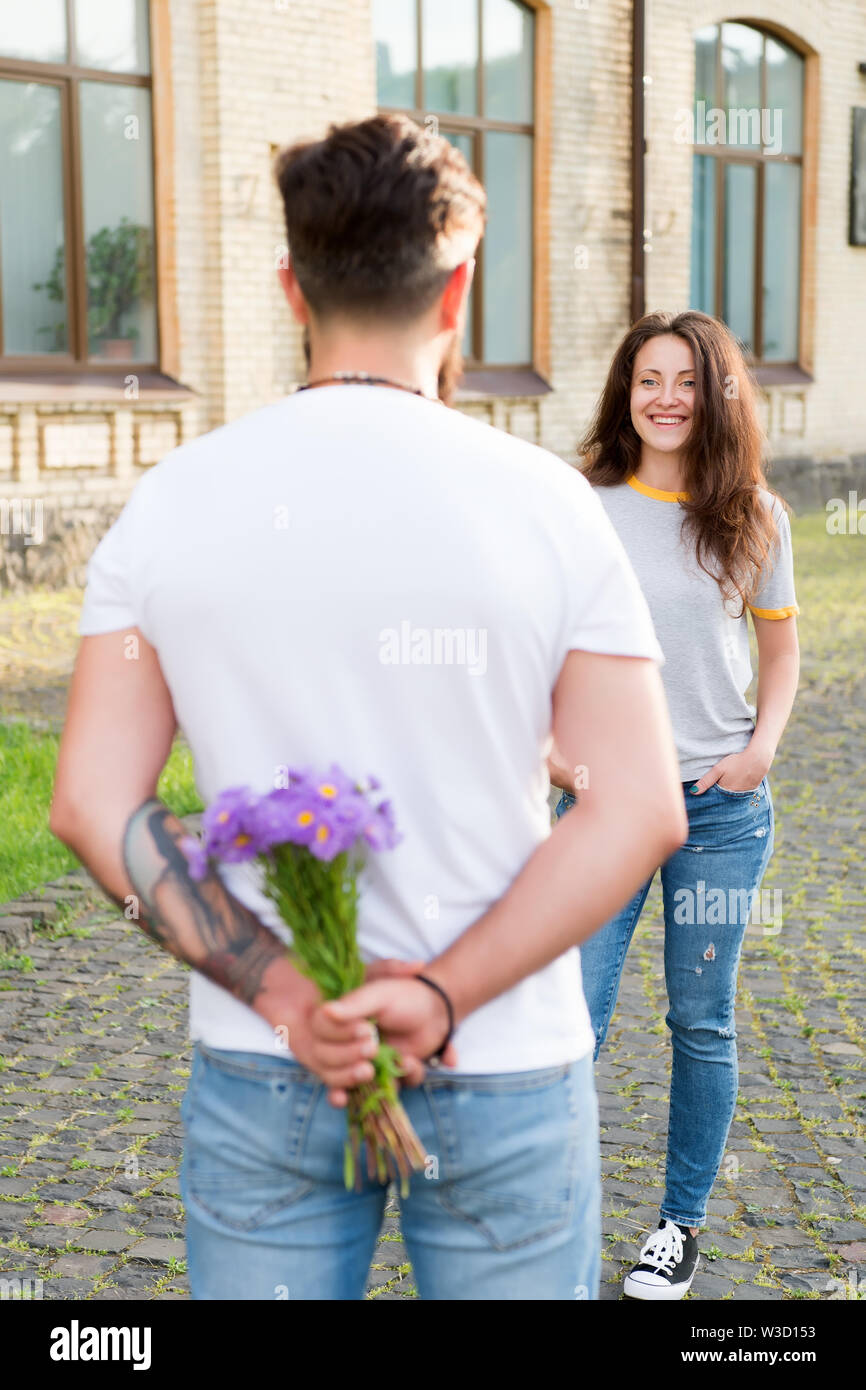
(663, 392)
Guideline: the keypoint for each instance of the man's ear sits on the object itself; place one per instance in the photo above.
(292, 291)
(455, 295)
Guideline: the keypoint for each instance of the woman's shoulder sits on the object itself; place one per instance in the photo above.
(777, 508)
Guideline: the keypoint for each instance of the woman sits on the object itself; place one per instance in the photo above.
(675, 454)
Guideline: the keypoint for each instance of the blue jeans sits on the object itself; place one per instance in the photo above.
(706, 887)
(509, 1206)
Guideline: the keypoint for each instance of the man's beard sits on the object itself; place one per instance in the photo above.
(451, 371)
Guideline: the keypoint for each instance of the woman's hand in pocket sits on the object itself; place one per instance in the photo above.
(738, 772)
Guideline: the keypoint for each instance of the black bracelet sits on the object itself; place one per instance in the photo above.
(436, 1057)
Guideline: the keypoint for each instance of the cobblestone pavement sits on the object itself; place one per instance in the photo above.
(95, 1056)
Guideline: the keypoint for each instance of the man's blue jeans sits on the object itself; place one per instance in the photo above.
(707, 887)
(508, 1208)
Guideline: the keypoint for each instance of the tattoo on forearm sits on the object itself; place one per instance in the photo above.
(201, 923)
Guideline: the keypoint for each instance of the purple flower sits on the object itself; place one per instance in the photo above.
(329, 837)
(227, 825)
(328, 813)
(381, 831)
(271, 820)
(333, 785)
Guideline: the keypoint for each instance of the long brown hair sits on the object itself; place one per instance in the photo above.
(732, 527)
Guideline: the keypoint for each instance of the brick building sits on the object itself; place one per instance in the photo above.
(657, 153)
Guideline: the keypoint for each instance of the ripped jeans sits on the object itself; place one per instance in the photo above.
(708, 887)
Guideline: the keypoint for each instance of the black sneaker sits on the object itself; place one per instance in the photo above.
(666, 1266)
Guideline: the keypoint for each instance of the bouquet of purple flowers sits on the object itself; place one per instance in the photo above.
(310, 838)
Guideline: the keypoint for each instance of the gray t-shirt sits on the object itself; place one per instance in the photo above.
(707, 667)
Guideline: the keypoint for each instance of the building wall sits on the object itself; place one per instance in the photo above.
(826, 418)
(248, 76)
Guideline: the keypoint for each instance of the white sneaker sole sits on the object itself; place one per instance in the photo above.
(658, 1293)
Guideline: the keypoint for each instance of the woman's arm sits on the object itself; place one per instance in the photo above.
(560, 774)
(778, 674)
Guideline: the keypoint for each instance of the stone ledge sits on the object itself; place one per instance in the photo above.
(20, 917)
(808, 483)
(15, 930)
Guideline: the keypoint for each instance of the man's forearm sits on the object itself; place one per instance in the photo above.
(201, 923)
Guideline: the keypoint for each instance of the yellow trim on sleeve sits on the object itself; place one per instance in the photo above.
(656, 492)
(775, 612)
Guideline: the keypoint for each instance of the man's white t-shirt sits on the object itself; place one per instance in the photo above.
(362, 576)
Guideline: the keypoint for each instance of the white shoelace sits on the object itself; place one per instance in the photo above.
(664, 1249)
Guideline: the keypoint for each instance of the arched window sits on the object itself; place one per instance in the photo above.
(77, 247)
(469, 66)
(747, 201)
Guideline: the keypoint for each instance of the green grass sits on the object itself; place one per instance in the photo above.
(29, 853)
(831, 591)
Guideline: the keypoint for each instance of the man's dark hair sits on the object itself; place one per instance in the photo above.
(369, 214)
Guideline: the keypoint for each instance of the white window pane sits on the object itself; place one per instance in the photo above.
(706, 53)
(741, 75)
(781, 262)
(508, 248)
(32, 272)
(112, 34)
(450, 55)
(785, 94)
(395, 35)
(34, 29)
(508, 61)
(118, 220)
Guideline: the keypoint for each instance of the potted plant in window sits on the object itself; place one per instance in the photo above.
(119, 277)
(54, 286)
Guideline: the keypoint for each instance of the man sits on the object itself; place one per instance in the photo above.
(359, 575)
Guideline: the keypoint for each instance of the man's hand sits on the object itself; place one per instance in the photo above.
(410, 1016)
(337, 1051)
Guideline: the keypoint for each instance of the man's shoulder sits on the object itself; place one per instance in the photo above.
(229, 443)
(542, 467)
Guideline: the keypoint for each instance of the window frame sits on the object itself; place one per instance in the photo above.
(475, 127)
(723, 155)
(67, 76)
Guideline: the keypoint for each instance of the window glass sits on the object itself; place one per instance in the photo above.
(34, 30)
(450, 55)
(508, 61)
(781, 262)
(739, 270)
(32, 268)
(508, 249)
(118, 220)
(112, 34)
(395, 35)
